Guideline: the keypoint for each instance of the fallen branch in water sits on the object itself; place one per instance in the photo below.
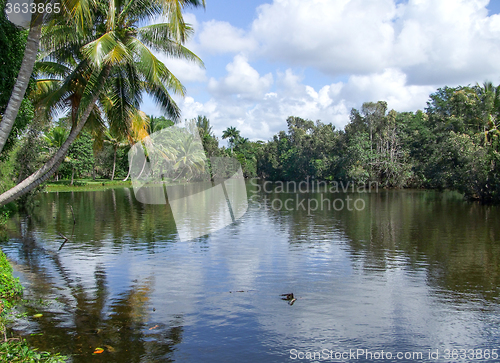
(66, 239)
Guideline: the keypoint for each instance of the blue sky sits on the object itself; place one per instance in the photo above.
(317, 59)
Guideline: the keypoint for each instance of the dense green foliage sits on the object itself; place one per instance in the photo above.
(453, 144)
(9, 286)
(16, 350)
(80, 158)
(20, 352)
(12, 43)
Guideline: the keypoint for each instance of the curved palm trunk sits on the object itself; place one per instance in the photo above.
(129, 168)
(50, 167)
(127, 175)
(23, 79)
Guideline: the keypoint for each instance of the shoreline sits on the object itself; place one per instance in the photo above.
(16, 347)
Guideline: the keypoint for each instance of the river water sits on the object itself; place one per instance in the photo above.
(415, 274)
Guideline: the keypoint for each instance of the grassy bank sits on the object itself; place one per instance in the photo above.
(85, 185)
(14, 349)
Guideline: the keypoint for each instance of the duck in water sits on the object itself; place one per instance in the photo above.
(289, 297)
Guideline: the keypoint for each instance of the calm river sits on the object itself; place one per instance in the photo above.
(414, 274)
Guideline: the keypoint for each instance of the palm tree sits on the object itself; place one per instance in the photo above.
(490, 101)
(203, 124)
(233, 134)
(114, 67)
(159, 123)
(55, 139)
(116, 141)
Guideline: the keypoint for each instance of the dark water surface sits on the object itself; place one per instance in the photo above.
(412, 272)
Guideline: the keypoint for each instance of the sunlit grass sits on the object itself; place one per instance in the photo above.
(85, 185)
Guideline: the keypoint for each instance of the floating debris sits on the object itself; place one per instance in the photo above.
(110, 348)
(98, 350)
(37, 315)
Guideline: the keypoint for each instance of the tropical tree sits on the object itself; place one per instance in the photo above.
(55, 138)
(190, 158)
(158, 123)
(209, 140)
(12, 44)
(115, 66)
(80, 157)
(490, 101)
(232, 134)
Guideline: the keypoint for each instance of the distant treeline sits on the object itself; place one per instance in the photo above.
(452, 144)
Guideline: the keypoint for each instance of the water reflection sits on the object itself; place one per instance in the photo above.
(412, 271)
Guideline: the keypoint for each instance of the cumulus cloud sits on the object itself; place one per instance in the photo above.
(433, 41)
(242, 81)
(390, 85)
(389, 50)
(333, 36)
(265, 114)
(222, 37)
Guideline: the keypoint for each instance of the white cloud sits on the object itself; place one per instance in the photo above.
(391, 86)
(434, 41)
(222, 37)
(333, 36)
(265, 114)
(399, 53)
(242, 81)
(185, 71)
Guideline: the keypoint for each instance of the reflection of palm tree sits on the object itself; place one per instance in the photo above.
(118, 325)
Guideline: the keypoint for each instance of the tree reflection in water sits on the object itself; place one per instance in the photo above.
(83, 319)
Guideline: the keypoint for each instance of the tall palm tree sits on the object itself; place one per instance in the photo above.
(232, 134)
(203, 124)
(116, 60)
(158, 123)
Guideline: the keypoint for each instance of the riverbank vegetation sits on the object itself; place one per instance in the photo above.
(14, 349)
(452, 144)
